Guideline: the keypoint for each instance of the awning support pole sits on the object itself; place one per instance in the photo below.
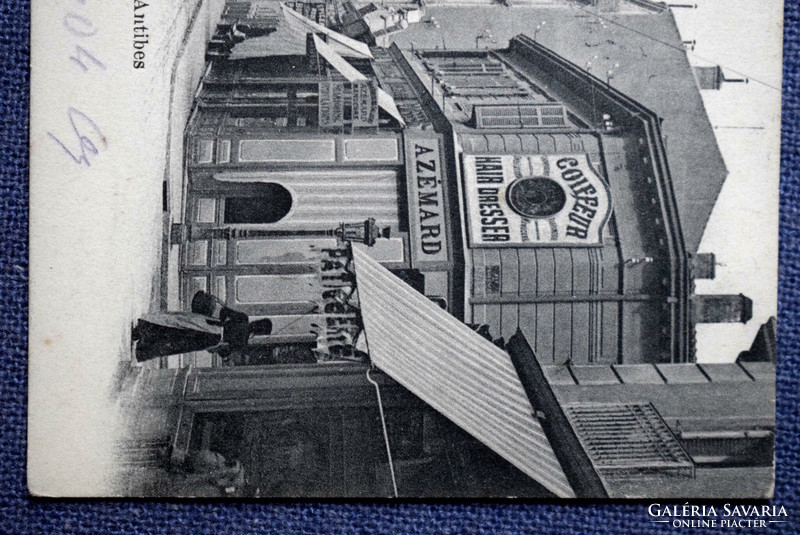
(385, 432)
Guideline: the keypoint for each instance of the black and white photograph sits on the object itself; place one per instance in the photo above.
(404, 249)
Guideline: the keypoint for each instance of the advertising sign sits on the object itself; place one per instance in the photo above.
(364, 104)
(552, 199)
(426, 200)
(361, 97)
(331, 103)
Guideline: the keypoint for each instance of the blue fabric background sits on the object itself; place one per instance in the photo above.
(19, 514)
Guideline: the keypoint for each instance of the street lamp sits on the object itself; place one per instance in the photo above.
(365, 232)
(591, 83)
(437, 26)
(610, 74)
(485, 34)
(539, 27)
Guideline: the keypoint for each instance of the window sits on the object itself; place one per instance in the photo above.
(272, 203)
(550, 115)
(475, 75)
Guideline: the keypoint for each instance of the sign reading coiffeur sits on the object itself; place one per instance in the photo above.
(553, 199)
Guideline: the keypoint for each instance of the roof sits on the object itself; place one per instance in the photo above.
(455, 370)
(714, 400)
(652, 69)
(723, 416)
(731, 392)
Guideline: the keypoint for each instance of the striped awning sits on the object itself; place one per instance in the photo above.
(454, 370)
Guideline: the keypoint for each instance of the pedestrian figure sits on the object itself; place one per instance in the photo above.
(210, 326)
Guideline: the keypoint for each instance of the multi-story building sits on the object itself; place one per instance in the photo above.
(519, 191)
(510, 187)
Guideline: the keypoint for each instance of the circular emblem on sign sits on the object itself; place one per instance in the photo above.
(536, 197)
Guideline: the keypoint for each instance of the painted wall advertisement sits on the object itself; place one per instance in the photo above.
(552, 199)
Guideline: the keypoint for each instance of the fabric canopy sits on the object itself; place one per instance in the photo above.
(289, 39)
(346, 45)
(455, 370)
(385, 100)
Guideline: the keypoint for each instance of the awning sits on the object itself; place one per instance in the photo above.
(454, 370)
(289, 39)
(284, 41)
(345, 45)
(385, 100)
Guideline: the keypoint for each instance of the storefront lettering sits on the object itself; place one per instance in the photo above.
(489, 169)
(429, 202)
(331, 104)
(534, 199)
(584, 195)
(494, 224)
(364, 104)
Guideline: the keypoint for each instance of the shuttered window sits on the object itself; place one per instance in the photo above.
(476, 76)
(626, 440)
(520, 116)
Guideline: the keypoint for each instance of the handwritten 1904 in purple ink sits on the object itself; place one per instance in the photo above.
(88, 138)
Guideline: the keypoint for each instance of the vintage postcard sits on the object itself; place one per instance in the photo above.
(408, 248)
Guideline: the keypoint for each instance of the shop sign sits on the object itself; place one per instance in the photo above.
(331, 104)
(554, 199)
(364, 104)
(361, 97)
(493, 279)
(426, 200)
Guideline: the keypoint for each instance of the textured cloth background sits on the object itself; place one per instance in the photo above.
(18, 514)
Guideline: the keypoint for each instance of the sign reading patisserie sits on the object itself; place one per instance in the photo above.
(552, 199)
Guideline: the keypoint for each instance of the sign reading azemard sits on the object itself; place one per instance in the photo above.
(553, 199)
(426, 200)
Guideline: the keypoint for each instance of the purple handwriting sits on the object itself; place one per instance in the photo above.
(86, 147)
(88, 138)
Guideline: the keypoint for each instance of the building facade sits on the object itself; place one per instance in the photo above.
(520, 195)
(518, 190)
